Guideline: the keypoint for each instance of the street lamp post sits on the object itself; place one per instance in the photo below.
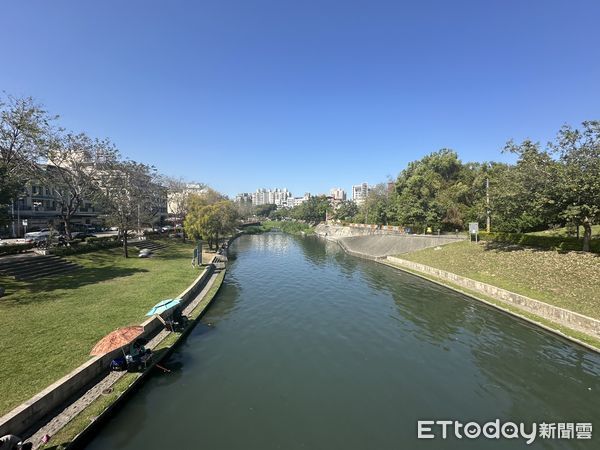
(12, 210)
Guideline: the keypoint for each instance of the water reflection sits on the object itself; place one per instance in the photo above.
(312, 348)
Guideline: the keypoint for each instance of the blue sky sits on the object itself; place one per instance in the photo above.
(305, 95)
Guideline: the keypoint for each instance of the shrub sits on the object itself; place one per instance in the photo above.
(93, 240)
(253, 229)
(561, 243)
(86, 248)
(13, 249)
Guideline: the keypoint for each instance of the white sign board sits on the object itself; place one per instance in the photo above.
(473, 227)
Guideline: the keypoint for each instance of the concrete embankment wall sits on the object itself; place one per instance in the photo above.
(555, 314)
(28, 414)
(381, 245)
(374, 243)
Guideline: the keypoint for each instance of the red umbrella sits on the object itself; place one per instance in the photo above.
(116, 339)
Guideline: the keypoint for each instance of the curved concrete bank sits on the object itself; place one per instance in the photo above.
(555, 314)
(380, 245)
(374, 243)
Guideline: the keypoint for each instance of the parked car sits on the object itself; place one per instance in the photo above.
(37, 236)
(82, 235)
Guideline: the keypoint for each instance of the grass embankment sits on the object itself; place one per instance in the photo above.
(101, 404)
(567, 280)
(49, 326)
(288, 227)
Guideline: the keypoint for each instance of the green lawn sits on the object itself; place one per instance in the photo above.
(49, 326)
(568, 280)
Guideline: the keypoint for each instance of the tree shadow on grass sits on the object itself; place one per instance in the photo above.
(508, 248)
(504, 247)
(81, 277)
(70, 280)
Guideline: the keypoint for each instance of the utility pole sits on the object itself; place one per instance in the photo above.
(18, 219)
(487, 201)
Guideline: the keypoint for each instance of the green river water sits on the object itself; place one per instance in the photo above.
(309, 348)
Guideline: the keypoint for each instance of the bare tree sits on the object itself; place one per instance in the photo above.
(23, 126)
(73, 169)
(125, 198)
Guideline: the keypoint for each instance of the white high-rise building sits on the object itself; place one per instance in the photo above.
(277, 197)
(338, 194)
(360, 192)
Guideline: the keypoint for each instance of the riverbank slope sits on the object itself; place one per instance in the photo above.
(556, 283)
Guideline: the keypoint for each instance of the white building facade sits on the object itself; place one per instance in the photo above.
(360, 193)
(338, 194)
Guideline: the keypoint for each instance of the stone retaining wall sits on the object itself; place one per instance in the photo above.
(555, 314)
(368, 242)
(28, 414)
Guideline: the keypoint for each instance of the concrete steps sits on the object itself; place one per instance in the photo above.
(36, 266)
(150, 245)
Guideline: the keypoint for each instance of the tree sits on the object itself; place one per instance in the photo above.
(578, 179)
(427, 189)
(264, 210)
(210, 220)
(9, 187)
(23, 126)
(346, 211)
(377, 208)
(127, 195)
(73, 169)
(312, 210)
(178, 191)
(532, 185)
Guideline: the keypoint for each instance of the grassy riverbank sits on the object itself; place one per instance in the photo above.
(286, 227)
(50, 325)
(566, 280)
(99, 406)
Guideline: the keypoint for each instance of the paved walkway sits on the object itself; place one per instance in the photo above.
(66, 415)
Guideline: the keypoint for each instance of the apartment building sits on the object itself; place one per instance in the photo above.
(360, 192)
(338, 194)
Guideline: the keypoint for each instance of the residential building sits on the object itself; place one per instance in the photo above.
(296, 201)
(338, 194)
(360, 193)
(276, 196)
(176, 199)
(244, 197)
(37, 207)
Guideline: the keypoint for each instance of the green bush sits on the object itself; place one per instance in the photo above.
(288, 227)
(13, 249)
(253, 229)
(86, 248)
(561, 243)
(93, 240)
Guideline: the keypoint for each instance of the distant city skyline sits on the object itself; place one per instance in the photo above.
(246, 94)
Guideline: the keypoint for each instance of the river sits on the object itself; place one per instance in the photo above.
(306, 347)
